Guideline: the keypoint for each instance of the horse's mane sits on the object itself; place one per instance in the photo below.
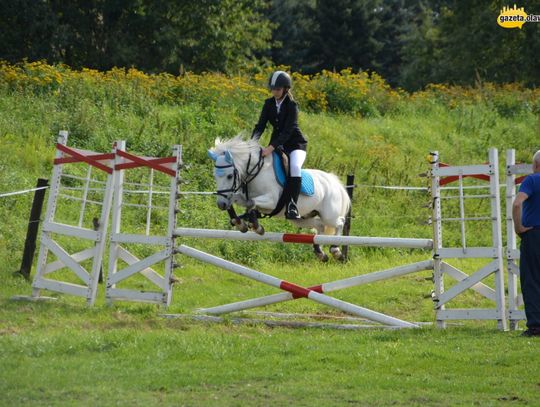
(240, 149)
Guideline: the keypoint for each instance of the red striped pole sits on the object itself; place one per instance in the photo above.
(322, 288)
(293, 288)
(410, 243)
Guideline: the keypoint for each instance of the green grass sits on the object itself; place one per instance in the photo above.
(64, 353)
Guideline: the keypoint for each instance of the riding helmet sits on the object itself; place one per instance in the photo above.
(279, 79)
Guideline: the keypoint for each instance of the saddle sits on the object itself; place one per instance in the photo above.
(281, 171)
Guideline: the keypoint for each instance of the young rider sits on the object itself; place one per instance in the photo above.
(282, 112)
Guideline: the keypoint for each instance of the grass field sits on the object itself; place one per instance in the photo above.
(64, 353)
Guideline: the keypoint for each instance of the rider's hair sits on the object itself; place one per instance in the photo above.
(288, 91)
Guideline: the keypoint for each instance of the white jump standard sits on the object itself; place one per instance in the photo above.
(515, 299)
(442, 174)
(96, 237)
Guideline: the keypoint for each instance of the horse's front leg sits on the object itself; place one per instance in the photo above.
(253, 219)
(265, 201)
(236, 221)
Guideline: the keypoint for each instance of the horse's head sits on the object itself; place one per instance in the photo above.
(226, 177)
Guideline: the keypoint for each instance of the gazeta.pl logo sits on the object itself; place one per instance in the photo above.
(515, 17)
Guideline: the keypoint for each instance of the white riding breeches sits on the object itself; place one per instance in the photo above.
(296, 160)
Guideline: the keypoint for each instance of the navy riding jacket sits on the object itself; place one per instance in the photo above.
(286, 132)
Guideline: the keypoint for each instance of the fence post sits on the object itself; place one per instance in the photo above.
(33, 226)
(347, 226)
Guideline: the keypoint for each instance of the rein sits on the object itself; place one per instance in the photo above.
(251, 174)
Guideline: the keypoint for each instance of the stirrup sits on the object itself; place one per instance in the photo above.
(292, 211)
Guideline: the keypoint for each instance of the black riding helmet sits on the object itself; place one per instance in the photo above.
(279, 79)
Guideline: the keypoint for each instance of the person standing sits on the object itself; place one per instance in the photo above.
(526, 216)
(282, 112)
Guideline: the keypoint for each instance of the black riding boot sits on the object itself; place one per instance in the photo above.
(293, 185)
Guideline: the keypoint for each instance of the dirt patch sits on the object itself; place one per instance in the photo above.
(9, 331)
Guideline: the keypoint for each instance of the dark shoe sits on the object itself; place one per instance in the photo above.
(531, 332)
(292, 211)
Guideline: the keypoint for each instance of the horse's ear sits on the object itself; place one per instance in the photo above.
(228, 157)
(212, 155)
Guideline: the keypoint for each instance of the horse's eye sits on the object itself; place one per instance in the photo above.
(229, 176)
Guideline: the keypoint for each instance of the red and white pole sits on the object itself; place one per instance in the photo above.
(294, 289)
(408, 243)
(323, 288)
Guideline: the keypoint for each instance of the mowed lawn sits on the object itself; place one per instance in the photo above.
(64, 353)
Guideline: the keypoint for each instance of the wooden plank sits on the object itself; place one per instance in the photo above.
(78, 257)
(65, 258)
(61, 287)
(137, 267)
(459, 275)
(120, 294)
(149, 273)
(73, 231)
(480, 314)
(467, 283)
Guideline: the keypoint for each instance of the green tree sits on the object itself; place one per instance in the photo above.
(460, 42)
(153, 35)
(345, 34)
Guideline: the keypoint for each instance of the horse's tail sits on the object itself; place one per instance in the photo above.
(345, 199)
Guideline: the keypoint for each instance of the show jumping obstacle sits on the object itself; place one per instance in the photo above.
(119, 163)
(53, 230)
(442, 174)
(168, 166)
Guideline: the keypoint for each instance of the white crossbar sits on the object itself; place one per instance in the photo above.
(326, 287)
(301, 291)
(306, 238)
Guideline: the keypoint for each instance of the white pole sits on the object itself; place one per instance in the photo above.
(116, 220)
(173, 209)
(54, 190)
(438, 275)
(408, 243)
(326, 287)
(511, 237)
(496, 237)
(149, 210)
(101, 240)
(85, 195)
(275, 282)
(462, 214)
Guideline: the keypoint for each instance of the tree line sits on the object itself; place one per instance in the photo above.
(409, 42)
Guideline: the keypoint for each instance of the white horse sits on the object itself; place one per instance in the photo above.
(239, 168)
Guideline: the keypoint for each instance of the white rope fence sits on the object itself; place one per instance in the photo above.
(24, 191)
(208, 193)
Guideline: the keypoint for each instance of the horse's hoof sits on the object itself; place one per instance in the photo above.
(336, 254)
(242, 227)
(260, 230)
(322, 257)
